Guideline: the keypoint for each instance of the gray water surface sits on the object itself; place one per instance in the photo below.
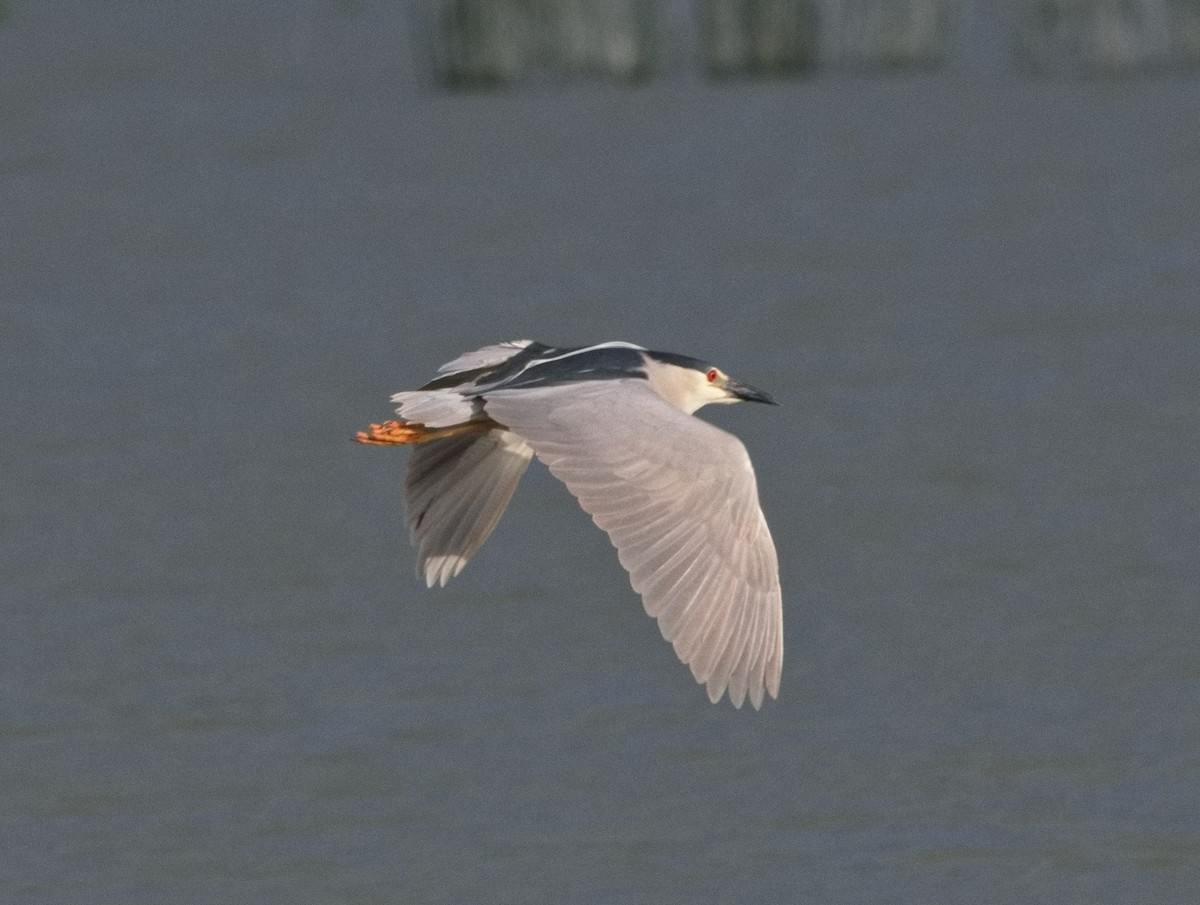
(219, 680)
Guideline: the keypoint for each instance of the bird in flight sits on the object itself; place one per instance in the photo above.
(614, 422)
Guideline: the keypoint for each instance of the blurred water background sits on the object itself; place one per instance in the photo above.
(968, 271)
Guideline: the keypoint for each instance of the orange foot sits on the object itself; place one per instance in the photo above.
(399, 433)
(392, 433)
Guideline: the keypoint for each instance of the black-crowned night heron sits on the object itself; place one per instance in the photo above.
(614, 422)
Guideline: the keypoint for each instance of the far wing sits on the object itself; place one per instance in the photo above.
(456, 491)
(678, 499)
(486, 357)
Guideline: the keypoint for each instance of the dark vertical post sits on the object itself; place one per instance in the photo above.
(759, 37)
(1110, 35)
(496, 42)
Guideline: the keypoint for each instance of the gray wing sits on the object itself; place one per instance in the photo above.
(678, 499)
(455, 492)
(485, 357)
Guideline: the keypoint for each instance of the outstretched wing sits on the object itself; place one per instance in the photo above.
(456, 491)
(678, 499)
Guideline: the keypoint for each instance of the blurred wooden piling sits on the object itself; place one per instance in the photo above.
(782, 37)
(1111, 36)
(479, 43)
(483, 43)
(759, 37)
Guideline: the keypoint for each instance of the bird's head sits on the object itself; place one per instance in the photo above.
(689, 383)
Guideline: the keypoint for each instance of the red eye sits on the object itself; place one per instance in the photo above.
(712, 374)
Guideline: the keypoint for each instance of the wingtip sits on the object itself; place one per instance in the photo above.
(740, 694)
(438, 570)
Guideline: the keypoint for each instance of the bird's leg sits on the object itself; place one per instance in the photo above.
(400, 433)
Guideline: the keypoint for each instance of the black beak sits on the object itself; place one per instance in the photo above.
(747, 393)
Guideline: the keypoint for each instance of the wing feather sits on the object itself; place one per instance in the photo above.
(487, 357)
(678, 499)
(456, 491)
(710, 640)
